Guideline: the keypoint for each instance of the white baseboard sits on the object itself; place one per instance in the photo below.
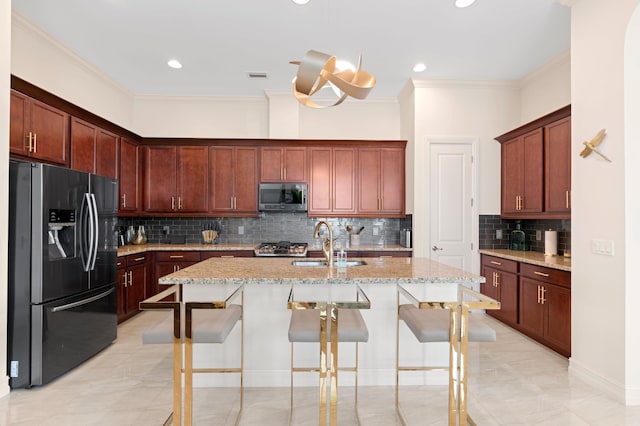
(613, 389)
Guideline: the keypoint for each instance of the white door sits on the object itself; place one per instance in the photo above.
(453, 214)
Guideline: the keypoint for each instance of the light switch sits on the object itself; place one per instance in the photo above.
(603, 247)
(240, 230)
(498, 234)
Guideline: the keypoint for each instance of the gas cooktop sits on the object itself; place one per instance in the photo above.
(281, 249)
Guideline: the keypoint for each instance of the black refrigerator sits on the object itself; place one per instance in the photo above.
(62, 270)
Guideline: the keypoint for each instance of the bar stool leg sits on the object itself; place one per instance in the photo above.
(334, 366)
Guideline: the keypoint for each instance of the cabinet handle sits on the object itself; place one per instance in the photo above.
(517, 204)
(176, 256)
(232, 202)
(30, 141)
(543, 292)
(130, 278)
(542, 274)
(35, 142)
(176, 268)
(284, 173)
(538, 295)
(497, 279)
(566, 198)
(493, 262)
(173, 203)
(228, 257)
(124, 200)
(138, 259)
(124, 278)
(179, 203)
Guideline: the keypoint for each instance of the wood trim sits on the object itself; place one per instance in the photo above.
(536, 124)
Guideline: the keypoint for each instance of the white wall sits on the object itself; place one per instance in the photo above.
(477, 110)
(5, 72)
(546, 89)
(601, 340)
(40, 60)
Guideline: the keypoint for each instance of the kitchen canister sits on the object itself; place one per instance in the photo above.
(550, 243)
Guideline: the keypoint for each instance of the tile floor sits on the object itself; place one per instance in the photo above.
(512, 382)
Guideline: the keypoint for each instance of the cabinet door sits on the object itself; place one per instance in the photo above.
(533, 191)
(50, 127)
(136, 287)
(221, 179)
(557, 166)
(295, 165)
(271, 169)
(106, 154)
(392, 181)
(320, 181)
(490, 286)
(369, 179)
(83, 145)
(531, 308)
(122, 292)
(557, 329)
(508, 297)
(193, 179)
(18, 125)
(160, 179)
(512, 163)
(129, 184)
(344, 180)
(246, 180)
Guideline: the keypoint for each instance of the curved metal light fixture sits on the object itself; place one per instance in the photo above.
(317, 69)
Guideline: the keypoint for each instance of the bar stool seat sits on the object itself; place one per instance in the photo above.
(305, 326)
(432, 325)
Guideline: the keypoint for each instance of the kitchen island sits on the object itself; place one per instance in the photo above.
(268, 282)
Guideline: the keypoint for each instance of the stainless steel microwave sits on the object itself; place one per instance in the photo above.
(282, 197)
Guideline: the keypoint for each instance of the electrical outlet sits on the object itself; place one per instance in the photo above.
(538, 235)
(15, 367)
(498, 234)
(240, 230)
(166, 230)
(376, 230)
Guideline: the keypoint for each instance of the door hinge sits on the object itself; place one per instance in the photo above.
(472, 246)
(472, 202)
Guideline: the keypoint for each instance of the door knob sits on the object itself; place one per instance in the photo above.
(436, 248)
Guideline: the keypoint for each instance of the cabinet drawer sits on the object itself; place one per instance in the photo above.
(122, 262)
(550, 275)
(501, 264)
(177, 256)
(136, 259)
(226, 253)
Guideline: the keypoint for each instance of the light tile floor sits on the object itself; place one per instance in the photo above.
(512, 382)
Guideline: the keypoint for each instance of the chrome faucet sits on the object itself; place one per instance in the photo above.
(327, 244)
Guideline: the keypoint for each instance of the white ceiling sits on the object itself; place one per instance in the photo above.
(220, 41)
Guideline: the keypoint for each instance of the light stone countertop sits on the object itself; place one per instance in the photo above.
(532, 257)
(259, 270)
(135, 249)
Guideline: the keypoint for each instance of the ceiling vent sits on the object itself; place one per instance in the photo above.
(257, 74)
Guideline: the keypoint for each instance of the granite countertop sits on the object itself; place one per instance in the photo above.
(135, 249)
(258, 270)
(532, 257)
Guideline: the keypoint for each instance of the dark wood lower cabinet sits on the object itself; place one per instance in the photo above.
(535, 300)
(132, 283)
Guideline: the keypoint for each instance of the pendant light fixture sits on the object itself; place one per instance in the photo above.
(316, 69)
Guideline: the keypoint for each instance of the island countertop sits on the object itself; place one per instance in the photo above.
(281, 271)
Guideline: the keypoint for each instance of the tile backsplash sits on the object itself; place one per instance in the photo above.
(489, 224)
(295, 227)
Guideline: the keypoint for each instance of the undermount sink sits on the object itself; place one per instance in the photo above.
(324, 263)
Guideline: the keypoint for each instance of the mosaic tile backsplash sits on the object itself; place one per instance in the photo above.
(533, 229)
(295, 227)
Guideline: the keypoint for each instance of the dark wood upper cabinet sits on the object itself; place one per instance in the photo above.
(233, 180)
(332, 181)
(38, 131)
(280, 164)
(93, 150)
(176, 179)
(381, 181)
(557, 166)
(130, 177)
(536, 168)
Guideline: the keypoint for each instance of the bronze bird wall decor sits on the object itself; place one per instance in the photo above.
(590, 146)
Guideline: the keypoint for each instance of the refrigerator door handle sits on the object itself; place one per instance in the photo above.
(94, 222)
(84, 233)
(82, 302)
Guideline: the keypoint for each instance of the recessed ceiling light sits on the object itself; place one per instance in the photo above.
(301, 1)
(419, 67)
(464, 3)
(174, 63)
